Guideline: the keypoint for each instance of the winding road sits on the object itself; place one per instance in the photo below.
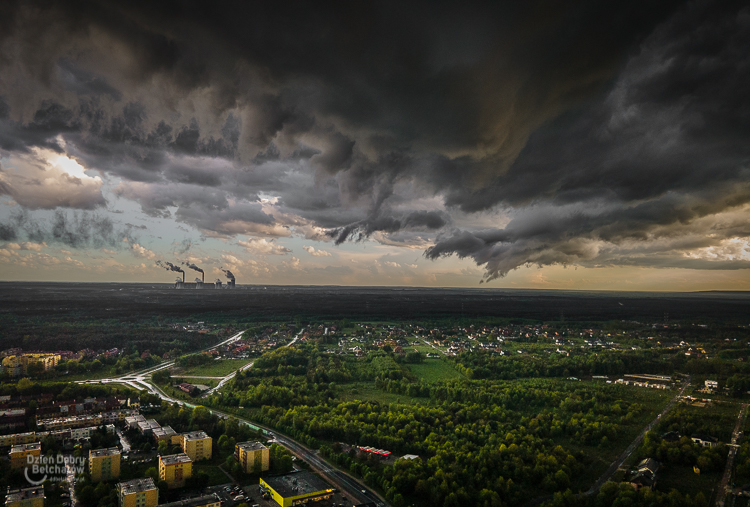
(347, 484)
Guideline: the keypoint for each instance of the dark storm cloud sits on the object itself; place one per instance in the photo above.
(430, 220)
(667, 147)
(590, 124)
(73, 229)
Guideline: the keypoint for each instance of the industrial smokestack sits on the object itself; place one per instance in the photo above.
(171, 267)
(196, 268)
(230, 276)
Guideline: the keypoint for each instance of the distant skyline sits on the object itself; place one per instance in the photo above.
(548, 145)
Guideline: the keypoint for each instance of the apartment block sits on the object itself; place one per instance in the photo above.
(175, 469)
(197, 445)
(104, 464)
(252, 456)
(138, 493)
(19, 454)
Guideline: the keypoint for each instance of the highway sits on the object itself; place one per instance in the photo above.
(345, 483)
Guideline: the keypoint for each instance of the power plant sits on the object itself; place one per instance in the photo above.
(200, 283)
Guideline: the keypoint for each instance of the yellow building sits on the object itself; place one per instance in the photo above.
(197, 445)
(18, 438)
(138, 493)
(252, 456)
(104, 464)
(26, 497)
(201, 501)
(175, 469)
(19, 454)
(17, 366)
(296, 488)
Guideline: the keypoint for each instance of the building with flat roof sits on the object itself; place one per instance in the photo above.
(175, 469)
(197, 445)
(25, 497)
(164, 433)
(201, 501)
(104, 464)
(19, 454)
(18, 438)
(138, 493)
(296, 488)
(254, 457)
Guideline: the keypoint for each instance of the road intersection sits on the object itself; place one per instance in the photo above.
(141, 381)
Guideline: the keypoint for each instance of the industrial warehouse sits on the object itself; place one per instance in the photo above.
(296, 488)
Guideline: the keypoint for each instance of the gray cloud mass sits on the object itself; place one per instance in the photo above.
(604, 133)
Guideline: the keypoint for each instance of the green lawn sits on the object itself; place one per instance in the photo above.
(216, 368)
(215, 475)
(434, 370)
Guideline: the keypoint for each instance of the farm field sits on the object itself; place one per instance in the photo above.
(434, 370)
(216, 368)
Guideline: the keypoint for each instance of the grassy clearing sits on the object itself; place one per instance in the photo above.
(215, 475)
(366, 391)
(434, 370)
(107, 371)
(216, 368)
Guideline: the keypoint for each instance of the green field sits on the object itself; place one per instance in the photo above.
(215, 475)
(366, 391)
(434, 370)
(216, 368)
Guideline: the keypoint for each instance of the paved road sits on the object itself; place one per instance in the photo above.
(70, 472)
(431, 345)
(344, 482)
(633, 445)
(123, 441)
(137, 379)
(723, 486)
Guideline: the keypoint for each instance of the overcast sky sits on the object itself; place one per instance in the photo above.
(591, 145)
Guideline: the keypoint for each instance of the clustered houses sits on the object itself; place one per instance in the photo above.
(512, 339)
(15, 411)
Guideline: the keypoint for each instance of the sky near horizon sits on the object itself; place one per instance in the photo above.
(543, 144)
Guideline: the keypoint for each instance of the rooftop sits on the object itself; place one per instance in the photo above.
(17, 495)
(195, 435)
(96, 453)
(298, 483)
(174, 459)
(26, 447)
(136, 486)
(251, 446)
(193, 502)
